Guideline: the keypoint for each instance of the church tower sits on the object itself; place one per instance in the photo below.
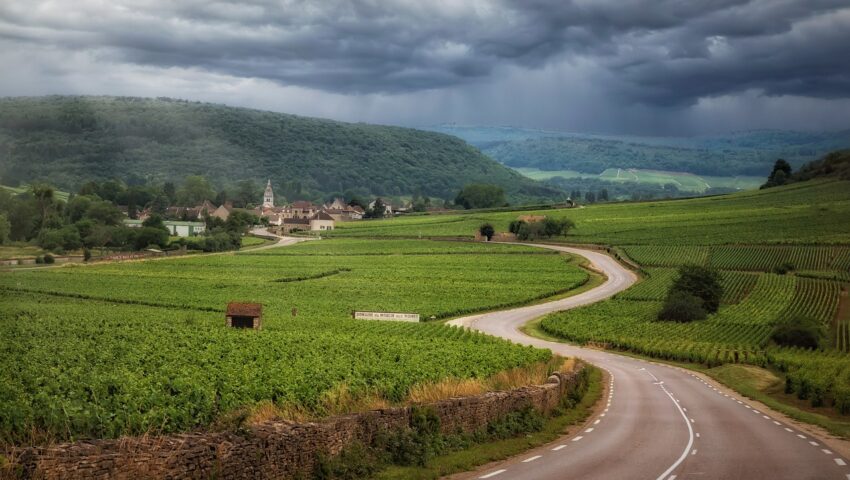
(268, 196)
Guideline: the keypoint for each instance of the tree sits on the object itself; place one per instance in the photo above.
(515, 226)
(603, 195)
(681, 306)
(798, 331)
(247, 193)
(44, 200)
(377, 210)
(170, 192)
(239, 221)
(487, 231)
(147, 236)
(160, 204)
(5, 229)
(65, 238)
(701, 282)
(154, 221)
(590, 197)
(779, 175)
(76, 207)
(104, 212)
(195, 190)
(481, 196)
(554, 227)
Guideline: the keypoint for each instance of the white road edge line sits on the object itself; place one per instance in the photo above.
(531, 459)
(840, 462)
(493, 474)
(558, 448)
(687, 447)
(577, 438)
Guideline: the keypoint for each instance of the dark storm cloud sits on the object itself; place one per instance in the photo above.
(661, 52)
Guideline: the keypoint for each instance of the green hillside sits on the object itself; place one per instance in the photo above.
(744, 153)
(801, 213)
(67, 141)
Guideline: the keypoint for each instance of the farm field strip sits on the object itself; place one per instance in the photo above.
(389, 282)
(744, 257)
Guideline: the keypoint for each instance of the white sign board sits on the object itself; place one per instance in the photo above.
(401, 317)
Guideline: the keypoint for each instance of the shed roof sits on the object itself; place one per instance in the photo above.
(245, 309)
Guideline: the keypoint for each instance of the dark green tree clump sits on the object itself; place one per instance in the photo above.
(780, 175)
(682, 307)
(487, 231)
(803, 332)
(481, 196)
(546, 228)
(695, 293)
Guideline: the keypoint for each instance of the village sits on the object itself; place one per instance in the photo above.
(297, 216)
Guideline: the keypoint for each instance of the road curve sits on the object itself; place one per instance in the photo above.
(658, 422)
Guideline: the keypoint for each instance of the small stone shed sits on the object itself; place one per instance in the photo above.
(244, 315)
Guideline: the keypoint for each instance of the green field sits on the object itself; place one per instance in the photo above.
(127, 348)
(59, 195)
(803, 228)
(803, 213)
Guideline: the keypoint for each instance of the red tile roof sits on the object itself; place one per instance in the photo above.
(244, 309)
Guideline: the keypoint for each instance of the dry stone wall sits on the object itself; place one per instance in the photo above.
(276, 449)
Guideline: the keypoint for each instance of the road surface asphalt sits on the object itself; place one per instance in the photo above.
(658, 422)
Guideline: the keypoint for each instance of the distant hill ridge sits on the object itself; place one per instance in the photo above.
(68, 140)
(739, 153)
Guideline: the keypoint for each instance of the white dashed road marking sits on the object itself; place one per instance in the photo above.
(840, 462)
(493, 474)
(558, 448)
(578, 438)
(531, 459)
(828, 452)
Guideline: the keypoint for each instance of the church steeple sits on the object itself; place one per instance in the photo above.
(268, 196)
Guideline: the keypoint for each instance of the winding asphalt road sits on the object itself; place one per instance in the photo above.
(659, 422)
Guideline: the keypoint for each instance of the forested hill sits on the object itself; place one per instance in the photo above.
(741, 153)
(67, 141)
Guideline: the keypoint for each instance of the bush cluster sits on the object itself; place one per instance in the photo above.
(695, 293)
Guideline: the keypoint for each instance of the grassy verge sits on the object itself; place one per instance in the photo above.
(250, 241)
(767, 387)
(480, 454)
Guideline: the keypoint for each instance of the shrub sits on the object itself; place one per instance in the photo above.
(487, 231)
(798, 331)
(515, 226)
(39, 259)
(784, 268)
(86, 254)
(682, 307)
(48, 258)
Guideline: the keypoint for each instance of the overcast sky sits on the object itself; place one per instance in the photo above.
(615, 66)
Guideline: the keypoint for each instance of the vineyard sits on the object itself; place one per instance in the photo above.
(123, 349)
(740, 332)
(377, 275)
(762, 258)
(807, 213)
